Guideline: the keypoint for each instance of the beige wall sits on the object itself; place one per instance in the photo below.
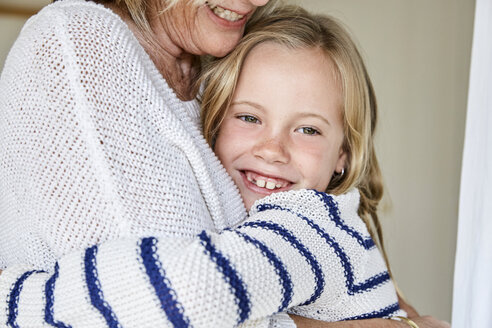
(418, 54)
(10, 25)
(13, 15)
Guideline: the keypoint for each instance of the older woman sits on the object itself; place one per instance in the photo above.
(99, 135)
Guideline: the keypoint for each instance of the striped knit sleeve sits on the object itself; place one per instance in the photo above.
(294, 250)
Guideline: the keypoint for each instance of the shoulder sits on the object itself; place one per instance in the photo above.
(75, 22)
(67, 24)
(348, 202)
(69, 34)
(95, 44)
(73, 9)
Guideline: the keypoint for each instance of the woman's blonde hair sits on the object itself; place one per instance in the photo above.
(295, 28)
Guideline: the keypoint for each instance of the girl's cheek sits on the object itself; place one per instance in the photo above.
(312, 145)
(245, 130)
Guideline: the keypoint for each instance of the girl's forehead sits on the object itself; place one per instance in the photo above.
(274, 66)
(275, 53)
(279, 79)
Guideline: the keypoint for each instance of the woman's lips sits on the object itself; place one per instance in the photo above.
(226, 17)
(224, 13)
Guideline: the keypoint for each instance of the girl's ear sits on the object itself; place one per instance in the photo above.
(342, 159)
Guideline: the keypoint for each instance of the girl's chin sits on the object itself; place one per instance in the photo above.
(248, 204)
(249, 201)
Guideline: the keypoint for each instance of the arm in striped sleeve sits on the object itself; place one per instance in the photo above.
(275, 260)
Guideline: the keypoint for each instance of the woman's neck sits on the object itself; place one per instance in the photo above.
(180, 69)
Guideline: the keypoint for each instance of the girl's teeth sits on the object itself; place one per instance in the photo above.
(263, 183)
(266, 184)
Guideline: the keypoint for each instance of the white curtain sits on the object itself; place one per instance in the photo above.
(472, 296)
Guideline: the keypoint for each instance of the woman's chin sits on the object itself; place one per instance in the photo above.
(221, 50)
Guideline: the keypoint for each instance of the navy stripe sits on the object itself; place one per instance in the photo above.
(50, 300)
(230, 275)
(167, 296)
(280, 269)
(384, 312)
(371, 282)
(352, 288)
(310, 258)
(332, 207)
(95, 291)
(14, 298)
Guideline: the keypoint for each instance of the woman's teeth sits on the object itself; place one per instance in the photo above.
(224, 13)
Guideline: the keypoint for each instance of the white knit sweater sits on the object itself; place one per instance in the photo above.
(94, 146)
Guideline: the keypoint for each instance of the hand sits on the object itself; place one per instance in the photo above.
(422, 322)
(410, 310)
(430, 322)
(302, 322)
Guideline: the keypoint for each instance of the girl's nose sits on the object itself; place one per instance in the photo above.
(272, 151)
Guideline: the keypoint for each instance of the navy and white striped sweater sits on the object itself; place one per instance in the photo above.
(304, 251)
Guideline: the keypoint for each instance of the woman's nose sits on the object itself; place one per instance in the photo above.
(272, 150)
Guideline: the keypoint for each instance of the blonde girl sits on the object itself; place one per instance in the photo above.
(237, 103)
(294, 28)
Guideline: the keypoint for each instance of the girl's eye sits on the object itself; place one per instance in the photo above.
(248, 118)
(308, 130)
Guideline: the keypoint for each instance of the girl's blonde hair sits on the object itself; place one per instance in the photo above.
(295, 28)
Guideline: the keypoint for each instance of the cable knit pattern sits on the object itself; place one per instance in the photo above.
(298, 249)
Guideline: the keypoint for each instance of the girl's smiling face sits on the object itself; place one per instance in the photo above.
(284, 128)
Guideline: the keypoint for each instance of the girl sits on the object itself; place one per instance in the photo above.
(293, 107)
(299, 248)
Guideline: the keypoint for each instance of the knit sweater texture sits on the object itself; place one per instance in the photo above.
(96, 148)
(300, 250)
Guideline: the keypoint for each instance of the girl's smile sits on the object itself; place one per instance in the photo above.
(268, 182)
(284, 128)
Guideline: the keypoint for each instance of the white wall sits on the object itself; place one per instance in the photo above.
(418, 55)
